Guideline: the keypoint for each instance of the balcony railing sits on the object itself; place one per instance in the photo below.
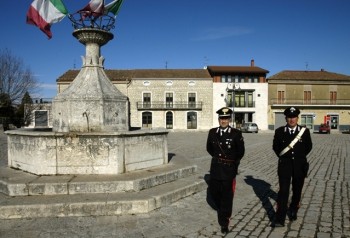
(243, 104)
(169, 106)
(316, 102)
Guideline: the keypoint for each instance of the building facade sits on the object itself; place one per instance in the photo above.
(178, 99)
(187, 99)
(322, 96)
(244, 89)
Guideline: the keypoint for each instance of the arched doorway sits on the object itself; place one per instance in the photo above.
(169, 120)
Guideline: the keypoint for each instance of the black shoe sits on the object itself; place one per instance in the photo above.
(277, 224)
(292, 214)
(224, 229)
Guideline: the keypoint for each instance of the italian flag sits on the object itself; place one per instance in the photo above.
(113, 7)
(43, 13)
(94, 8)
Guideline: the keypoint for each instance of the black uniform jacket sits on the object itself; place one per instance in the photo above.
(293, 162)
(226, 151)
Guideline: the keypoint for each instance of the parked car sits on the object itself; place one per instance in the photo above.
(324, 128)
(250, 127)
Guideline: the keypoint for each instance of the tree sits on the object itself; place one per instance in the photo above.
(6, 110)
(15, 78)
(24, 111)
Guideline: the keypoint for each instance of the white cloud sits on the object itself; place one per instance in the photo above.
(47, 86)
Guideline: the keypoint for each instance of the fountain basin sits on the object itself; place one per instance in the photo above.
(56, 153)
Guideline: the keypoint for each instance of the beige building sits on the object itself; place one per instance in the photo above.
(323, 97)
(187, 99)
(162, 98)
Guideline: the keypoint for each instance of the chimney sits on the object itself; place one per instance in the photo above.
(252, 63)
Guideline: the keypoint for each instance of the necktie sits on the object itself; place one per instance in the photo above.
(291, 132)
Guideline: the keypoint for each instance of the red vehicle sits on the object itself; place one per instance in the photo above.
(324, 128)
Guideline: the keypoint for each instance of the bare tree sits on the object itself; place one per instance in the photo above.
(15, 78)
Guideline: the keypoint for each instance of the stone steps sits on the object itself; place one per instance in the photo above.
(18, 183)
(26, 196)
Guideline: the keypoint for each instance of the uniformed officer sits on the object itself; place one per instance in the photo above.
(291, 143)
(226, 146)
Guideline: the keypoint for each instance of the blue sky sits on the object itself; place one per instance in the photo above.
(154, 34)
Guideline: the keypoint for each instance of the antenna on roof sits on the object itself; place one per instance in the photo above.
(306, 66)
(166, 64)
(74, 64)
(205, 62)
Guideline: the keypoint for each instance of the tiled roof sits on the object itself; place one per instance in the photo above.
(236, 69)
(309, 75)
(122, 75)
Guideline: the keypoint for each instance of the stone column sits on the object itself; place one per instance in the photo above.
(91, 103)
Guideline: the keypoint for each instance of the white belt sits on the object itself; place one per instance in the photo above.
(291, 145)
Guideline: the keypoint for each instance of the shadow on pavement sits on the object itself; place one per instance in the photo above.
(263, 191)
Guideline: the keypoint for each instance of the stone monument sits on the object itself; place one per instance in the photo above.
(90, 133)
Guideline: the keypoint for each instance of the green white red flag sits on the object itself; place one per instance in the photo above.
(94, 8)
(113, 7)
(43, 13)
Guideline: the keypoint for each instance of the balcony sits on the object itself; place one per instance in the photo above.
(242, 104)
(159, 106)
(310, 103)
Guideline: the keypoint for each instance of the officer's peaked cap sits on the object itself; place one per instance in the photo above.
(292, 112)
(224, 112)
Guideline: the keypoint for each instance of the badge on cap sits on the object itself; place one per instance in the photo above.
(224, 112)
(292, 112)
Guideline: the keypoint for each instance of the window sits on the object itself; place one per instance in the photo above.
(334, 119)
(307, 120)
(191, 120)
(146, 100)
(191, 100)
(307, 97)
(239, 99)
(169, 120)
(41, 118)
(226, 78)
(223, 78)
(229, 99)
(169, 100)
(147, 119)
(333, 97)
(242, 99)
(280, 97)
(250, 99)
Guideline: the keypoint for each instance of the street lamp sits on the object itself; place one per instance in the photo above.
(231, 88)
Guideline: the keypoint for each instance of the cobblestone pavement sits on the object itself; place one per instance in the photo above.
(324, 212)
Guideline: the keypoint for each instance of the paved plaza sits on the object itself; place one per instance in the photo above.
(324, 212)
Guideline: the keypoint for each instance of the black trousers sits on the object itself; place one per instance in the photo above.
(283, 196)
(222, 193)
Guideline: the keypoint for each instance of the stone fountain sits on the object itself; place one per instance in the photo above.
(90, 133)
(90, 163)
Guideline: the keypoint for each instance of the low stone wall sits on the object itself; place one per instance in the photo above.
(50, 153)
